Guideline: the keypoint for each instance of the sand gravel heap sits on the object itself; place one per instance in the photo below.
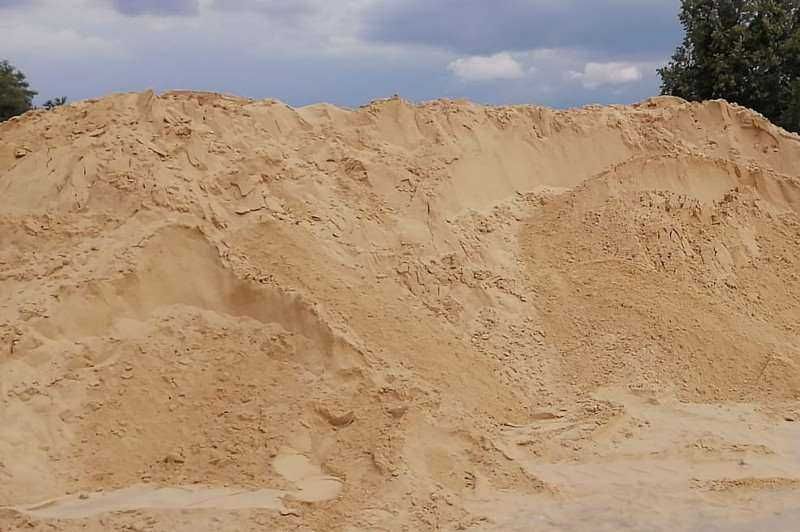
(226, 314)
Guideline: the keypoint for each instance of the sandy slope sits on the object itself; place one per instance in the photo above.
(225, 314)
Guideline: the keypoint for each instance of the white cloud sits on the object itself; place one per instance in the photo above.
(33, 40)
(596, 75)
(485, 68)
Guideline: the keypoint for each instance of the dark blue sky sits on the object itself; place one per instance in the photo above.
(552, 52)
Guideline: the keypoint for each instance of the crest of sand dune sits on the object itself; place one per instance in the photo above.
(226, 314)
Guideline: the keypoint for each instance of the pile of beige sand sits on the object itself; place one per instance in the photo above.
(226, 314)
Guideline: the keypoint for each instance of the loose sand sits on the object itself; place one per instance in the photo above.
(225, 314)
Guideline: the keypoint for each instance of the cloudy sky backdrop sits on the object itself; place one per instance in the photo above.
(554, 52)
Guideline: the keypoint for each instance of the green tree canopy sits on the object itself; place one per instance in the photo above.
(745, 51)
(55, 102)
(16, 97)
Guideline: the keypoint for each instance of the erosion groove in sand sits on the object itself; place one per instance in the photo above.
(226, 314)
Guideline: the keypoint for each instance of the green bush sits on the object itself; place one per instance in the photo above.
(745, 51)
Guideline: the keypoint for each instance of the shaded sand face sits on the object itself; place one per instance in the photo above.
(226, 314)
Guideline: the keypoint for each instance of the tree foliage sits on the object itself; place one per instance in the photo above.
(745, 51)
(55, 102)
(16, 97)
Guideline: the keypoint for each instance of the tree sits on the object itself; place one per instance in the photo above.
(16, 97)
(55, 102)
(745, 51)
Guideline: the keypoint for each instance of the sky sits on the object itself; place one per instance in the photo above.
(560, 53)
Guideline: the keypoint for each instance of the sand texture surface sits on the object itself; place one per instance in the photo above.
(220, 314)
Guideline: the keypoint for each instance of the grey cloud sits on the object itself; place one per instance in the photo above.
(279, 9)
(256, 49)
(12, 3)
(156, 7)
(482, 26)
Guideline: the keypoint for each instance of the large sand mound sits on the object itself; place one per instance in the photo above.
(226, 314)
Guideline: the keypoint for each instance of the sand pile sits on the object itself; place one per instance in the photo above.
(226, 314)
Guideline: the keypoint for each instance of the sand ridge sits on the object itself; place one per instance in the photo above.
(426, 314)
